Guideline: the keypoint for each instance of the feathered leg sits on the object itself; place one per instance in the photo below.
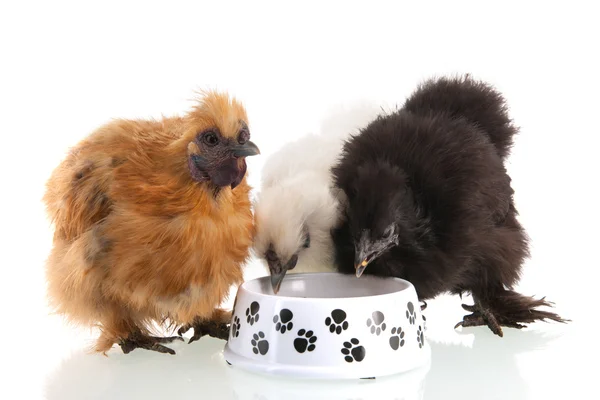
(506, 308)
(496, 305)
(217, 326)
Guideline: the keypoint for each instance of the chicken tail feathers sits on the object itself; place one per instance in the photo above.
(519, 308)
(463, 97)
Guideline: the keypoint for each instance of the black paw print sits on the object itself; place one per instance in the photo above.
(305, 341)
(420, 337)
(259, 344)
(283, 321)
(410, 313)
(397, 339)
(252, 313)
(337, 322)
(353, 352)
(235, 327)
(376, 323)
(424, 322)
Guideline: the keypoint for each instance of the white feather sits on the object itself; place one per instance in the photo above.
(297, 191)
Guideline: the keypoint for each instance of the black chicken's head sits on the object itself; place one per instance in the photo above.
(381, 212)
(219, 141)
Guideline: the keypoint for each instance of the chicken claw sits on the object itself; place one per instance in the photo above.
(138, 340)
(215, 329)
(481, 316)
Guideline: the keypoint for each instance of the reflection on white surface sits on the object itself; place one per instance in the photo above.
(489, 369)
(409, 386)
(200, 371)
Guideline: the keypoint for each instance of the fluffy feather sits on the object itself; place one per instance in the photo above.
(137, 238)
(429, 200)
(297, 207)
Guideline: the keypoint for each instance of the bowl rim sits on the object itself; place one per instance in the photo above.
(244, 286)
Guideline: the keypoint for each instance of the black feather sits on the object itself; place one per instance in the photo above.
(435, 170)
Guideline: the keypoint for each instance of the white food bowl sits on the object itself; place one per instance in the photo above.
(329, 326)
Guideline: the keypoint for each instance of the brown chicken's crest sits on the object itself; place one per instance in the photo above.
(218, 110)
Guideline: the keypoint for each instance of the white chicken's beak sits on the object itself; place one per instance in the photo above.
(278, 271)
(276, 280)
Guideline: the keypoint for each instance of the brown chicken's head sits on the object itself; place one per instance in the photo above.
(219, 141)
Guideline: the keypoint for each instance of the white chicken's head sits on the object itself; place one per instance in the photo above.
(293, 226)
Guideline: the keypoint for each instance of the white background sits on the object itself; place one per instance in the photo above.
(68, 67)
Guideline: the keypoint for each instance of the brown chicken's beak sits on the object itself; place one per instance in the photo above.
(245, 150)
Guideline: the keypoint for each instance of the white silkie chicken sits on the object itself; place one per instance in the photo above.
(297, 205)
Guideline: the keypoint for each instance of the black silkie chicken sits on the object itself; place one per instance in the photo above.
(429, 200)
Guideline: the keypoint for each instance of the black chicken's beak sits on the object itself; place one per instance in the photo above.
(360, 263)
(365, 251)
(278, 272)
(245, 150)
(363, 254)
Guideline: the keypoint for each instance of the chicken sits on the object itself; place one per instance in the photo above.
(153, 223)
(297, 207)
(430, 201)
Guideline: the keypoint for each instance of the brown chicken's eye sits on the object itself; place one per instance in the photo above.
(210, 138)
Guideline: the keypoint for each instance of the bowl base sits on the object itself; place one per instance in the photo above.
(322, 373)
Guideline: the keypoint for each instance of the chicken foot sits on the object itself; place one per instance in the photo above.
(481, 316)
(138, 340)
(219, 330)
(507, 308)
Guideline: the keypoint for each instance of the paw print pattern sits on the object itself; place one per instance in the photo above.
(420, 337)
(411, 315)
(235, 327)
(283, 321)
(305, 341)
(376, 323)
(424, 322)
(337, 322)
(397, 338)
(252, 313)
(353, 352)
(259, 344)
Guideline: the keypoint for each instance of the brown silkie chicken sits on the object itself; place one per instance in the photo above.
(152, 224)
